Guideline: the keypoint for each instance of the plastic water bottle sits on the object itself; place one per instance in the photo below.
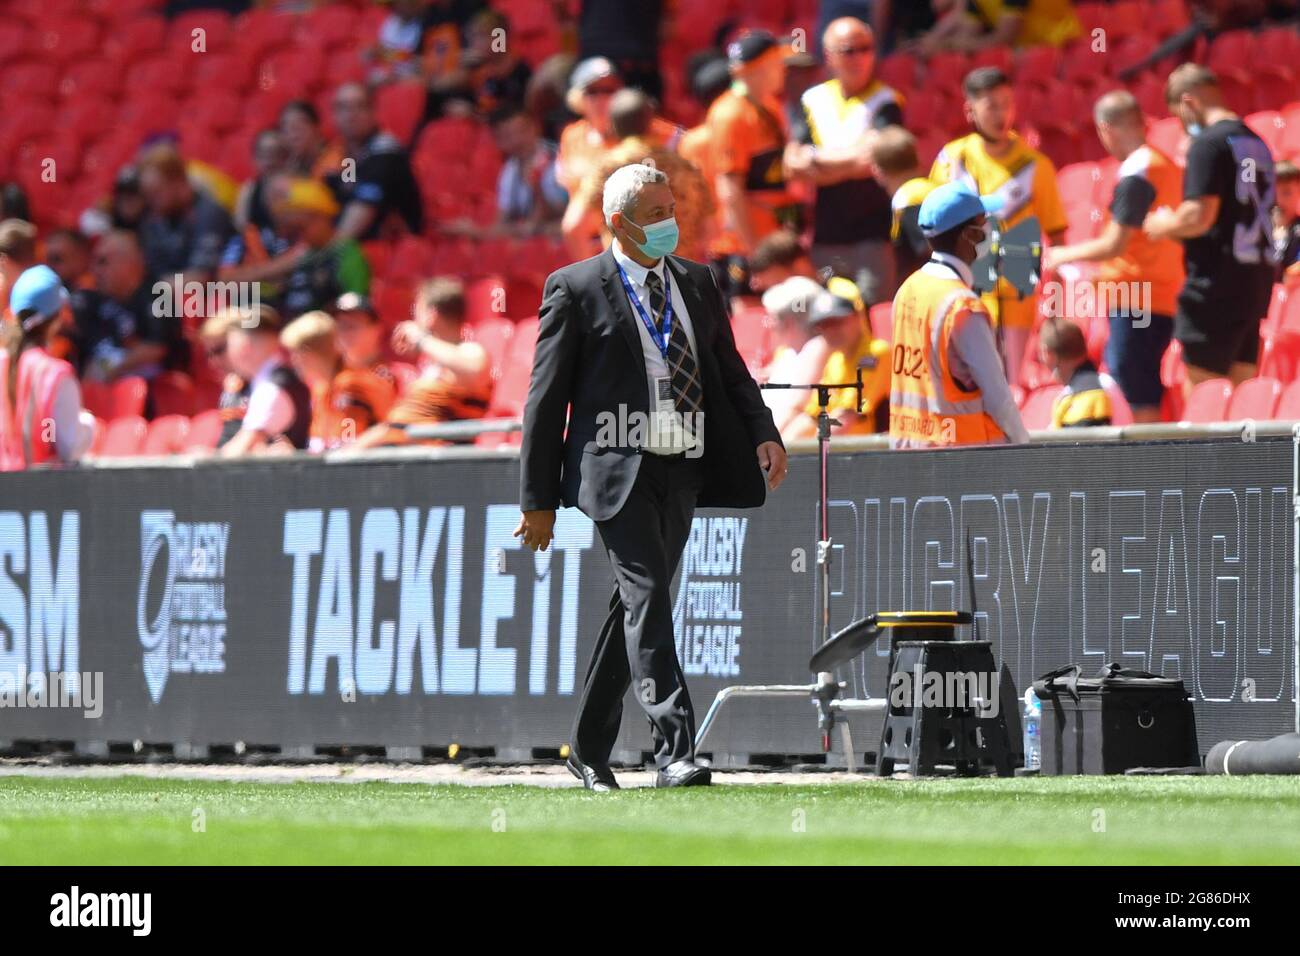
(1033, 743)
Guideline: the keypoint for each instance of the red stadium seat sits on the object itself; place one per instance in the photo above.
(1254, 398)
(898, 70)
(67, 39)
(128, 396)
(881, 316)
(510, 392)
(230, 72)
(1288, 403)
(485, 298)
(749, 327)
(159, 75)
(215, 35)
(399, 107)
(330, 26)
(264, 30)
(1288, 305)
(205, 430)
(412, 258)
(31, 79)
(1269, 126)
(172, 393)
(1276, 309)
(494, 335)
(135, 38)
(1168, 136)
(1037, 410)
(1279, 355)
(291, 72)
(167, 435)
(1120, 413)
(1208, 402)
(1166, 17)
(124, 437)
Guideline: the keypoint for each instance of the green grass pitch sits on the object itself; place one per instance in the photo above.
(1093, 820)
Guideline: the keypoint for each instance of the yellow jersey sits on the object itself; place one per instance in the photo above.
(1025, 180)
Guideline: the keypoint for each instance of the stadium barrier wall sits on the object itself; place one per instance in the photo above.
(383, 601)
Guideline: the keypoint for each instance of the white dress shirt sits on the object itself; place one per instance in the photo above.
(270, 409)
(655, 365)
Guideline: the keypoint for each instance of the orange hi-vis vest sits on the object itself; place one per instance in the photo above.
(24, 438)
(1158, 262)
(927, 405)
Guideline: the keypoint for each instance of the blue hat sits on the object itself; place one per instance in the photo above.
(950, 205)
(38, 289)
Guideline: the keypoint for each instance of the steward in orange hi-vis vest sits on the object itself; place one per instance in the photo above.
(947, 385)
(927, 405)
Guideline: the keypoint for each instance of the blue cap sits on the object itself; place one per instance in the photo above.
(38, 289)
(950, 205)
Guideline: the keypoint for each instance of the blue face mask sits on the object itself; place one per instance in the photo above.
(660, 238)
(1195, 129)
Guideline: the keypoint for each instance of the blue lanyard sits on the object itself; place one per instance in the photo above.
(659, 337)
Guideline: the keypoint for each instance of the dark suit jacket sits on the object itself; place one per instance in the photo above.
(589, 360)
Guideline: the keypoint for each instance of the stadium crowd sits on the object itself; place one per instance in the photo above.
(278, 227)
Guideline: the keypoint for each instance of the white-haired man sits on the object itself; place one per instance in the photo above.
(635, 345)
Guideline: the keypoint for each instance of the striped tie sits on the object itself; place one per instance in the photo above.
(688, 394)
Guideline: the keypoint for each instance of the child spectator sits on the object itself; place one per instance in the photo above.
(1286, 222)
(798, 356)
(779, 257)
(1064, 351)
(344, 401)
(361, 335)
(896, 166)
(278, 417)
(839, 316)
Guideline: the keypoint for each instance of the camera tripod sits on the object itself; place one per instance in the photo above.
(826, 692)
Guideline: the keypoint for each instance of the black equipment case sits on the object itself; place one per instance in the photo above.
(1116, 721)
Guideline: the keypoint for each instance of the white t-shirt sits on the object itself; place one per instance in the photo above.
(270, 409)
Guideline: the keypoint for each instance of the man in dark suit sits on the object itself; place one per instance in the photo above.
(636, 346)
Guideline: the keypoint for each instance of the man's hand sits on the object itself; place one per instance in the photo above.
(406, 337)
(771, 456)
(1159, 223)
(537, 529)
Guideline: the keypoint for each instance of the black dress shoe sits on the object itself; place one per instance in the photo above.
(598, 779)
(683, 773)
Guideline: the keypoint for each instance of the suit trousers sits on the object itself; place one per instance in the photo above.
(636, 646)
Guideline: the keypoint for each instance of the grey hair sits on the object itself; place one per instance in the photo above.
(625, 184)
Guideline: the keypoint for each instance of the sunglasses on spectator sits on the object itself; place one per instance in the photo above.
(600, 91)
(854, 50)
